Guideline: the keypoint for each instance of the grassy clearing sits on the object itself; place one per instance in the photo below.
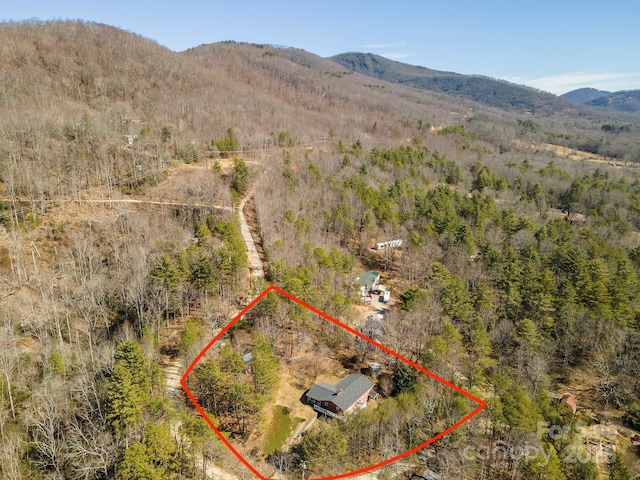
(279, 429)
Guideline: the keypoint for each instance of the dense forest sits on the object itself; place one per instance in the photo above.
(122, 169)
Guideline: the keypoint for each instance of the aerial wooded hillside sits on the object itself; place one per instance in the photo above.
(122, 169)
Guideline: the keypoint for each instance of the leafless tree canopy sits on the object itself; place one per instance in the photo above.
(122, 170)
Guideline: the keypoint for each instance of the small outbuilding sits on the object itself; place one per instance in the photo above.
(424, 473)
(373, 369)
(576, 218)
(247, 358)
(568, 403)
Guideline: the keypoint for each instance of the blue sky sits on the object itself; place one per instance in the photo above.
(556, 46)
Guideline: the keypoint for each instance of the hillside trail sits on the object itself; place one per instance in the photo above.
(256, 267)
(174, 369)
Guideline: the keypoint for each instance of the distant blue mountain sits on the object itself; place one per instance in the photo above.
(585, 95)
(481, 89)
(623, 101)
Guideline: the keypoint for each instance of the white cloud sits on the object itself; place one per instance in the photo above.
(393, 55)
(567, 82)
(397, 55)
(377, 46)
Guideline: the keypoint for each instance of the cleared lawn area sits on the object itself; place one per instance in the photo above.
(279, 429)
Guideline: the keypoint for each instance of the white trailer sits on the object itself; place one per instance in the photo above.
(379, 290)
(386, 296)
(389, 244)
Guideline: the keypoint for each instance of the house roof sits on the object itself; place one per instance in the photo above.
(570, 401)
(576, 218)
(368, 278)
(344, 393)
(426, 474)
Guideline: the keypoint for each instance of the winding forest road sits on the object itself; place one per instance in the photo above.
(174, 370)
(256, 268)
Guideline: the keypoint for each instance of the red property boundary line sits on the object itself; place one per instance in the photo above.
(273, 288)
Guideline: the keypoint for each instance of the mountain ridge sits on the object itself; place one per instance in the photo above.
(61, 76)
(627, 101)
(478, 88)
(585, 95)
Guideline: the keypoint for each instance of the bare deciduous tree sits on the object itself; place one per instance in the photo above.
(45, 416)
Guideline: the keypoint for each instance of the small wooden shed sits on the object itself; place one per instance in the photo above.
(568, 403)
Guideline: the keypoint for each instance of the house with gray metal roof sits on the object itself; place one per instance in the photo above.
(353, 391)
